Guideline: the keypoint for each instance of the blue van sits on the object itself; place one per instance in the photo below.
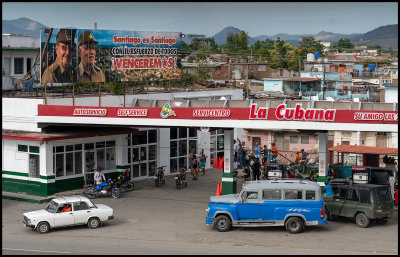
(286, 202)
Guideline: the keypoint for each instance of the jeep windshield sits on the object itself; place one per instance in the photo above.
(52, 207)
(381, 195)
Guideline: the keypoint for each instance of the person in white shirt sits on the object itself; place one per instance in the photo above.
(99, 176)
(235, 148)
(235, 164)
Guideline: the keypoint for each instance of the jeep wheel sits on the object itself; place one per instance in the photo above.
(381, 221)
(294, 225)
(43, 227)
(94, 223)
(329, 216)
(362, 220)
(223, 223)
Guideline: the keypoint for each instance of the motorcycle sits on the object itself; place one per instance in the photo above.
(180, 179)
(124, 182)
(312, 177)
(158, 176)
(104, 189)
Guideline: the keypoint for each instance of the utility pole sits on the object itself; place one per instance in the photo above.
(324, 87)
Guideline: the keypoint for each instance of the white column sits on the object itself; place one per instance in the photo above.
(46, 159)
(395, 137)
(163, 151)
(323, 153)
(228, 151)
(204, 143)
(122, 150)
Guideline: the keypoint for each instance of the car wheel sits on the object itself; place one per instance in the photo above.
(129, 186)
(94, 223)
(223, 223)
(43, 227)
(381, 221)
(362, 220)
(294, 225)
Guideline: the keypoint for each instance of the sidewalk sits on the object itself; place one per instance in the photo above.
(39, 199)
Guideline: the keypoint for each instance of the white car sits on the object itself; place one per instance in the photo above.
(68, 211)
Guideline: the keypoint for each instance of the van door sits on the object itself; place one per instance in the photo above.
(270, 201)
(249, 207)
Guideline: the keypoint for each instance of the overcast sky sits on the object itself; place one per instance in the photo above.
(209, 18)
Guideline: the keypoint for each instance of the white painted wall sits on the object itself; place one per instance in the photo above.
(7, 82)
(118, 101)
(391, 95)
(16, 161)
(19, 113)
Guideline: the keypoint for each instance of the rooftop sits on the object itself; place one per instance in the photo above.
(364, 149)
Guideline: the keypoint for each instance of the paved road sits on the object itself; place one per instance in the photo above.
(166, 220)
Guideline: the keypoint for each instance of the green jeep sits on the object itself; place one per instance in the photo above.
(364, 202)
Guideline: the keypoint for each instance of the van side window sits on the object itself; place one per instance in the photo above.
(310, 195)
(351, 195)
(272, 194)
(293, 195)
(250, 195)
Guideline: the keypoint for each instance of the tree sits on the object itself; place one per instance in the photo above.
(242, 40)
(309, 42)
(343, 43)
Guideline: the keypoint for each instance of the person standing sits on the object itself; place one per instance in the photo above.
(240, 155)
(257, 169)
(245, 157)
(257, 150)
(195, 165)
(86, 70)
(203, 159)
(298, 157)
(60, 71)
(265, 153)
(235, 148)
(303, 160)
(274, 153)
(99, 177)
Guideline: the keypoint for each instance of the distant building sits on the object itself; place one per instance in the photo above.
(19, 55)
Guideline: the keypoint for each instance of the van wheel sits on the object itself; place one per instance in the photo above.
(43, 227)
(362, 220)
(294, 225)
(223, 223)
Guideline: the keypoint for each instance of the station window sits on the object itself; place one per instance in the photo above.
(22, 148)
(294, 139)
(305, 140)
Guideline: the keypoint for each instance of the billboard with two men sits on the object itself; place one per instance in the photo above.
(83, 55)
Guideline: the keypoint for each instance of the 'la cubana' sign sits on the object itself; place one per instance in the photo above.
(298, 113)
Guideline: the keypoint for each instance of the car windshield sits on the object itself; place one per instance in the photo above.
(52, 207)
(382, 195)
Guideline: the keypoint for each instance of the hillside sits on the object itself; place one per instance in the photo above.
(385, 36)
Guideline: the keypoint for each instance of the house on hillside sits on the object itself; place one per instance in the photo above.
(20, 55)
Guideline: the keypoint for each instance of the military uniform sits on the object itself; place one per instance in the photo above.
(96, 74)
(56, 73)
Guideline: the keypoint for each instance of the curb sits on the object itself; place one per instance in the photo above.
(25, 199)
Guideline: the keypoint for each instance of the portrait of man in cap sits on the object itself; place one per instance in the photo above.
(60, 71)
(87, 71)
